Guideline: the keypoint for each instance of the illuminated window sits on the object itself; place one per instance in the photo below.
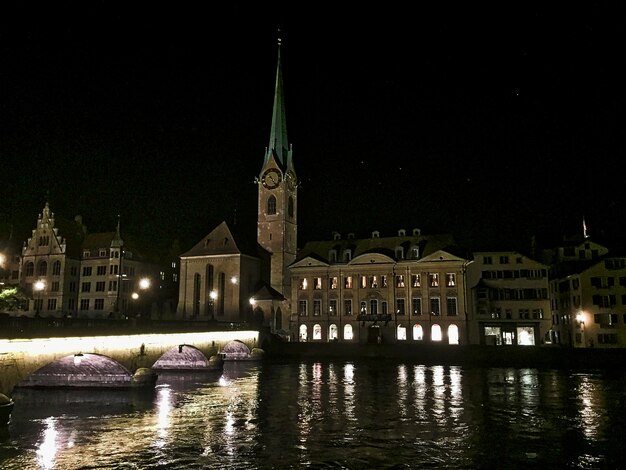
(363, 309)
(302, 284)
(450, 279)
(347, 332)
(317, 331)
(401, 333)
(374, 282)
(383, 280)
(302, 334)
(435, 333)
(418, 332)
(453, 334)
(493, 335)
(333, 333)
(433, 279)
(363, 282)
(347, 282)
(400, 281)
(333, 282)
(317, 283)
(415, 280)
(525, 336)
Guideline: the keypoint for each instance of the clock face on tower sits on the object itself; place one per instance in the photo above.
(271, 178)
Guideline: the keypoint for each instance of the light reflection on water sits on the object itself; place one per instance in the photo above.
(356, 414)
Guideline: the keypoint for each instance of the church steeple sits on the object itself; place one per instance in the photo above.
(279, 144)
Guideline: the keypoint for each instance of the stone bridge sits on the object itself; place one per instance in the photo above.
(19, 358)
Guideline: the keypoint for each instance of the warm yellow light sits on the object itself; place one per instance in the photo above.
(580, 317)
(3, 260)
(213, 295)
(233, 280)
(39, 285)
(134, 295)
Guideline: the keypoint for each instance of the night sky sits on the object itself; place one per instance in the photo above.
(493, 124)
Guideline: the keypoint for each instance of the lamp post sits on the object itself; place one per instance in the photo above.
(580, 318)
(212, 298)
(39, 287)
(252, 305)
(144, 284)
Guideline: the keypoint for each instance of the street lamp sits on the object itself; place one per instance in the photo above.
(212, 298)
(580, 318)
(144, 284)
(39, 286)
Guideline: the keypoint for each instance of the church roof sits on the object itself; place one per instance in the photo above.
(223, 241)
(267, 292)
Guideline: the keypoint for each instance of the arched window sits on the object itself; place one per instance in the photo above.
(317, 331)
(347, 332)
(302, 334)
(196, 294)
(271, 205)
(453, 334)
(401, 333)
(290, 207)
(56, 268)
(30, 269)
(332, 332)
(42, 268)
(418, 332)
(435, 333)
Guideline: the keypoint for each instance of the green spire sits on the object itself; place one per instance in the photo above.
(279, 145)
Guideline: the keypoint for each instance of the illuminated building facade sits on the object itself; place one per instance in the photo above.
(509, 302)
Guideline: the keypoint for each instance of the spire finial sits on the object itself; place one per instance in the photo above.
(280, 39)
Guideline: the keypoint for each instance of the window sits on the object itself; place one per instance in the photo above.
(30, 269)
(348, 333)
(450, 279)
(400, 281)
(374, 307)
(417, 306)
(333, 282)
(99, 304)
(400, 306)
(100, 285)
(271, 205)
(487, 260)
(302, 308)
(317, 331)
(114, 269)
(101, 270)
(383, 307)
(504, 260)
(84, 304)
(383, 280)
(453, 334)
(317, 283)
(435, 333)
(112, 286)
(56, 268)
(451, 306)
(347, 307)
(332, 256)
(363, 309)
(302, 284)
(347, 255)
(418, 332)
(415, 280)
(538, 313)
(85, 287)
(347, 282)
(333, 334)
(87, 271)
(435, 305)
(363, 282)
(524, 314)
(317, 307)
(401, 333)
(302, 334)
(332, 307)
(373, 282)
(54, 286)
(399, 252)
(433, 279)
(52, 304)
(42, 268)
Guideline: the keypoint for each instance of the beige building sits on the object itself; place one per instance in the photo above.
(509, 301)
(407, 287)
(588, 290)
(70, 272)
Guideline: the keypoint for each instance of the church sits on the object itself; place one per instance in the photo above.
(409, 286)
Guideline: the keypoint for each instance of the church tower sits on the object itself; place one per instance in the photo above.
(277, 226)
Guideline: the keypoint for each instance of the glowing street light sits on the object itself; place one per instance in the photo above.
(39, 286)
(212, 299)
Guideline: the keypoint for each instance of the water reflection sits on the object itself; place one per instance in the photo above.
(357, 414)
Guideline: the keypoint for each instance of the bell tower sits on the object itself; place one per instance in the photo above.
(277, 226)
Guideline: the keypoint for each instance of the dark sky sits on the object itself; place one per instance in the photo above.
(493, 124)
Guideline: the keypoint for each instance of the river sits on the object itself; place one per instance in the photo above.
(357, 414)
